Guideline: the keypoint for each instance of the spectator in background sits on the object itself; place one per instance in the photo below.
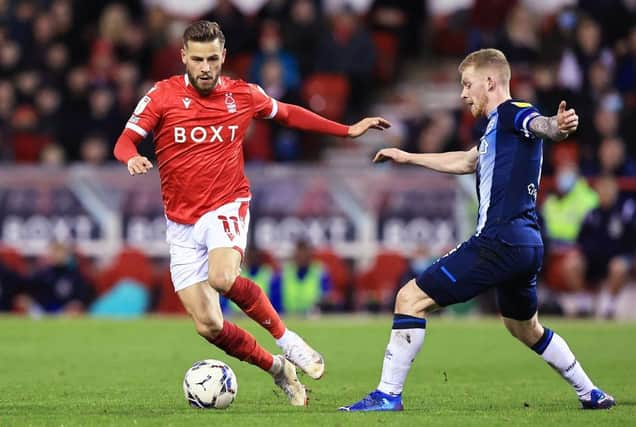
(274, 67)
(95, 150)
(27, 82)
(7, 105)
(20, 28)
(48, 104)
(437, 133)
(127, 78)
(575, 63)
(563, 212)
(43, 37)
(626, 63)
(347, 48)
(405, 19)
(299, 33)
(56, 64)
(10, 53)
(613, 159)
(57, 287)
(607, 242)
(10, 286)
(103, 114)
(26, 139)
(486, 17)
(518, 38)
(565, 209)
(237, 28)
(52, 156)
(304, 283)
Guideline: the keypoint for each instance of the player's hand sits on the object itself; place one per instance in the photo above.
(139, 165)
(367, 123)
(567, 120)
(395, 154)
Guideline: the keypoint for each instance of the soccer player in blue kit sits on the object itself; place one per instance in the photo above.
(505, 252)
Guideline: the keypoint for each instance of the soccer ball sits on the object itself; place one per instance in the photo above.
(210, 384)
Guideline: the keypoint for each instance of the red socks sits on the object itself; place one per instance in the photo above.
(238, 342)
(253, 301)
(241, 344)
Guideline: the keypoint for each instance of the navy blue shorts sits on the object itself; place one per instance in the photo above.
(480, 264)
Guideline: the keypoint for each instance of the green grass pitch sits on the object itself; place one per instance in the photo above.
(85, 372)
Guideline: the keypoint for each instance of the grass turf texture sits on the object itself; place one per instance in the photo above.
(469, 372)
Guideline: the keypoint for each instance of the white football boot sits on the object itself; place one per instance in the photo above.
(287, 380)
(302, 355)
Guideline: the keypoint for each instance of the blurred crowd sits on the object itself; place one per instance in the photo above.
(71, 72)
(581, 51)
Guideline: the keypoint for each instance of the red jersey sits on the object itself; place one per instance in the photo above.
(199, 141)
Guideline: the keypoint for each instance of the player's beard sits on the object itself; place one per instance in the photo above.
(203, 91)
(478, 108)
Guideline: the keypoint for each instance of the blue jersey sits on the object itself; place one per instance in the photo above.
(508, 175)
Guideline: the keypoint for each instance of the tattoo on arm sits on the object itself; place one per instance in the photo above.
(546, 127)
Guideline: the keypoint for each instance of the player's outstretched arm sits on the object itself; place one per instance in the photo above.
(453, 162)
(367, 123)
(557, 127)
(300, 118)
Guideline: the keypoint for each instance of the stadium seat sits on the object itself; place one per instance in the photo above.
(129, 263)
(339, 272)
(169, 302)
(12, 259)
(238, 65)
(386, 46)
(326, 94)
(377, 285)
(258, 142)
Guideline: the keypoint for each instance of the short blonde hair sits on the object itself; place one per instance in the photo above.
(484, 58)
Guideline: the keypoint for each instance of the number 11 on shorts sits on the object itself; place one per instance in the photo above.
(226, 226)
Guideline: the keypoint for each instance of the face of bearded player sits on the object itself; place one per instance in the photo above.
(203, 62)
(475, 91)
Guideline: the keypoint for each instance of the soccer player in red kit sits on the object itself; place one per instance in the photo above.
(199, 121)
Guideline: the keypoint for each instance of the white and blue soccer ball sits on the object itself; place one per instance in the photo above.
(210, 384)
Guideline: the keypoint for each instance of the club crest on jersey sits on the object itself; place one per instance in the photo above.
(186, 102)
(230, 103)
(483, 146)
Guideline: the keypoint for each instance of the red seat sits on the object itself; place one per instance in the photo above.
(169, 302)
(326, 94)
(13, 259)
(338, 271)
(129, 263)
(238, 65)
(386, 46)
(379, 282)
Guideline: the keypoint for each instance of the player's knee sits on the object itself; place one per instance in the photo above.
(221, 279)
(618, 267)
(411, 300)
(208, 325)
(526, 331)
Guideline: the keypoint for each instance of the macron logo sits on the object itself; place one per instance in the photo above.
(186, 102)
